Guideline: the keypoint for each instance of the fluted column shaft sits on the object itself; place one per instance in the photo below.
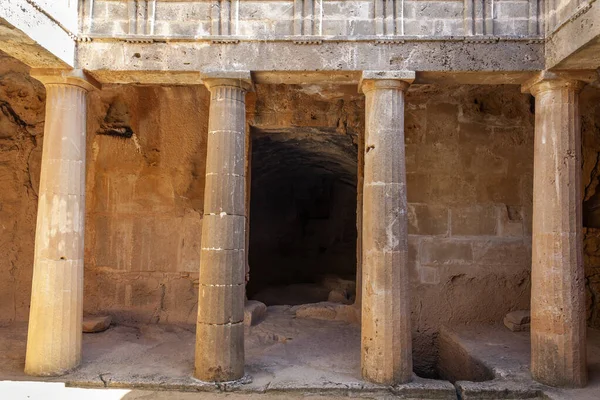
(558, 327)
(220, 327)
(55, 319)
(386, 355)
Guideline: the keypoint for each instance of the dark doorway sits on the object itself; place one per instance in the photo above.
(302, 217)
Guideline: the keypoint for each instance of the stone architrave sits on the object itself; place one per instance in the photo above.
(386, 354)
(55, 319)
(558, 327)
(220, 325)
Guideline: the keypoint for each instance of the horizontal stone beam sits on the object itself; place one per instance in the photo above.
(170, 62)
(576, 44)
(31, 35)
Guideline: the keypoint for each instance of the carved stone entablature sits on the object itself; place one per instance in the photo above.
(484, 39)
(308, 41)
(139, 40)
(225, 41)
(390, 41)
(331, 18)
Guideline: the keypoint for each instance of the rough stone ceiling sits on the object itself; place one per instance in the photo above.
(303, 152)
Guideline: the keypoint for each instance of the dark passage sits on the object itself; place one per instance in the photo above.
(302, 218)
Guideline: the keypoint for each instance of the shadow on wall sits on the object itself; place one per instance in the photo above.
(302, 215)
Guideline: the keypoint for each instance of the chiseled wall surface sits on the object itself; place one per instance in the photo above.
(469, 173)
(22, 102)
(144, 204)
(590, 126)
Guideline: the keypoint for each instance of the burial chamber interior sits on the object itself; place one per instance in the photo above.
(302, 242)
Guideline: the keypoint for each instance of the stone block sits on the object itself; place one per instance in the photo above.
(445, 252)
(510, 221)
(435, 10)
(179, 304)
(442, 123)
(265, 11)
(511, 27)
(183, 28)
(384, 219)
(111, 10)
(429, 275)
(113, 241)
(254, 312)
(221, 304)
(333, 27)
(440, 158)
(191, 242)
(418, 188)
(410, 160)
(511, 9)
(222, 267)
(224, 194)
(93, 324)
(427, 219)
(227, 232)
(338, 296)
(343, 10)
(133, 193)
(415, 123)
(453, 189)
(483, 158)
(475, 133)
(360, 27)
(143, 293)
(418, 27)
(219, 352)
(493, 188)
(146, 254)
(518, 317)
(516, 327)
(519, 135)
(328, 311)
(451, 27)
(508, 252)
(473, 220)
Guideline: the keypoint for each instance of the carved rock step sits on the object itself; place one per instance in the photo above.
(97, 323)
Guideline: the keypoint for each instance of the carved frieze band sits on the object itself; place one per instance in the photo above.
(389, 17)
(141, 16)
(479, 17)
(308, 17)
(534, 20)
(224, 16)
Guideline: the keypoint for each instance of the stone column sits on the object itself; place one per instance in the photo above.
(558, 336)
(386, 355)
(220, 327)
(54, 336)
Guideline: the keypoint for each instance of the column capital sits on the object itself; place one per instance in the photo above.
(547, 80)
(241, 79)
(372, 80)
(73, 77)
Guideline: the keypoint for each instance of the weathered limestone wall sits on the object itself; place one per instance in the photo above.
(263, 19)
(22, 102)
(145, 201)
(590, 127)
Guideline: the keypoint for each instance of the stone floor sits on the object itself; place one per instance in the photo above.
(283, 354)
(499, 359)
(286, 357)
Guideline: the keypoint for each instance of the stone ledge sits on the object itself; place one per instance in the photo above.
(118, 62)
